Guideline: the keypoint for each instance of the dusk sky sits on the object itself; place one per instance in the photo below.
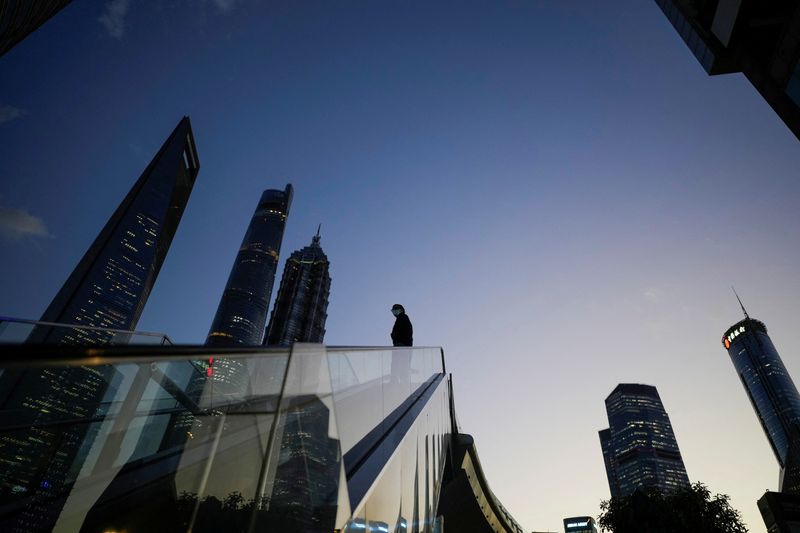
(555, 190)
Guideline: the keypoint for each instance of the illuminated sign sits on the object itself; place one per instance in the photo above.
(728, 339)
(578, 524)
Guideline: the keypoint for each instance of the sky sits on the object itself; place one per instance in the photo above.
(555, 190)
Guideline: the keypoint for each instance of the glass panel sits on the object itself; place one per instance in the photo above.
(370, 385)
(146, 446)
(240, 442)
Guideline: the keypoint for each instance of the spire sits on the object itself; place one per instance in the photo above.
(740, 303)
(316, 238)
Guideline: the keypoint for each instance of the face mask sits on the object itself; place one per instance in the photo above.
(395, 312)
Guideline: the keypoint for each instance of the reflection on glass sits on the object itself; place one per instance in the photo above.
(171, 448)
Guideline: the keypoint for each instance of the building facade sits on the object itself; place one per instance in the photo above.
(759, 39)
(110, 285)
(108, 288)
(18, 18)
(302, 303)
(242, 313)
(767, 383)
(639, 446)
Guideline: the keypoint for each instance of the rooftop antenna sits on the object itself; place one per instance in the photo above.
(316, 238)
(740, 303)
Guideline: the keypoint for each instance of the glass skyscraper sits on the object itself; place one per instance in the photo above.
(108, 288)
(242, 313)
(639, 446)
(110, 285)
(766, 381)
(301, 306)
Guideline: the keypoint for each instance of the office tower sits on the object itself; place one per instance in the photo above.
(771, 390)
(108, 288)
(301, 305)
(110, 285)
(242, 313)
(580, 524)
(18, 18)
(757, 38)
(639, 446)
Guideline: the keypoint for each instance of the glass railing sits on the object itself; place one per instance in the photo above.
(370, 384)
(19, 331)
(189, 439)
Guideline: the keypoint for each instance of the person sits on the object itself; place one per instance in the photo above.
(402, 332)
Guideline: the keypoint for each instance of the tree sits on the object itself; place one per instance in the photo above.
(688, 510)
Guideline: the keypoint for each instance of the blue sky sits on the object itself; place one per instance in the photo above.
(556, 191)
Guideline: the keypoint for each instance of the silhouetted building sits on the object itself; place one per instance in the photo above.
(780, 511)
(108, 288)
(757, 38)
(771, 390)
(18, 18)
(580, 524)
(301, 305)
(639, 447)
(110, 285)
(242, 313)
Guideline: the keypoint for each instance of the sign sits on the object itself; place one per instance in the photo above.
(728, 339)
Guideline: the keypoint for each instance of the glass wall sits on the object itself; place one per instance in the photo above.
(170, 448)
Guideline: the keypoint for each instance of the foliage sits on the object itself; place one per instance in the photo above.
(688, 510)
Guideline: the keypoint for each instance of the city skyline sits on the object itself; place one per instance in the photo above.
(559, 186)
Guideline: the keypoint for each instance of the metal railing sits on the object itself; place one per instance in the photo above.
(20, 330)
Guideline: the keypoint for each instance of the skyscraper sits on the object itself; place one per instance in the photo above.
(771, 390)
(110, 285)
(759, 39)
(108, 288)
(18, 18)
(242, 313)
(639, 447)
(301, 306)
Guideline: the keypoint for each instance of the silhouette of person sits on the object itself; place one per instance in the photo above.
(402, 332)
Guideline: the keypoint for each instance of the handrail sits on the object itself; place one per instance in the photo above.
(163, 336)
(39, 355)
(373, 348)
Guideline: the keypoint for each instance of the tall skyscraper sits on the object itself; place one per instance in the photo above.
(18, 18)
(771, 390)
(110, 285)
(242, 313)
(639, 447)
(41, 458)
(757, 38)
(301, 306)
